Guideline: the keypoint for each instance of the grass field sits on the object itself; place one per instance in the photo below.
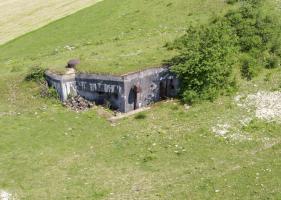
(48, 152)
(110, 37)
(213, 150)
(18, 17)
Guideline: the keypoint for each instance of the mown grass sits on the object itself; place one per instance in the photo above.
(110, 37)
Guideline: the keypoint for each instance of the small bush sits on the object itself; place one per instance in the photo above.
(272, 61)
(36, 74)
(267, 77)
(249, 68)
(190, 96)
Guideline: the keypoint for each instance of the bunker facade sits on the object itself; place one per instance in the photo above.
(122, 93)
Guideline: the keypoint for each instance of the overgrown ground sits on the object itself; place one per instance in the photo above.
(18, 17)
(213, 150)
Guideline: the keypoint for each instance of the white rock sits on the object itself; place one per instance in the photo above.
(4, 195)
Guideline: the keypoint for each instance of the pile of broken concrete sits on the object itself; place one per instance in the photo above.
(78, 103)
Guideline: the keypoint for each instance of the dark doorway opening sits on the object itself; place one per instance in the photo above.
(133, 97)
(163, 90)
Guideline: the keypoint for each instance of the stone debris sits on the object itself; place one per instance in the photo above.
(245, 121)
(267, 105)
(4, 195)
(78, 103)
(221, 129)
(263, 104)
(187, 107)
(227, 131)
(69, 48)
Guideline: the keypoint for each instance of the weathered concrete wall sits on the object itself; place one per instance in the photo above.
(122, 93)
(64, 84)
(104, 90)
(148, 83)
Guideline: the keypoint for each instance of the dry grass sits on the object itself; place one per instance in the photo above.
(18, 17)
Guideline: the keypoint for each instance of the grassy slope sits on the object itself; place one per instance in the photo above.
(18, 17)
(47, 152)
(110, 37)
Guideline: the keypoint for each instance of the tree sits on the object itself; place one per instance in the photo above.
(205, 60)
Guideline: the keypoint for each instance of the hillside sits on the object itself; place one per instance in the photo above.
(226, 149)
(18, 17)
(110, 37)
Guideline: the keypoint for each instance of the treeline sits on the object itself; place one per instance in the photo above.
(246, 36)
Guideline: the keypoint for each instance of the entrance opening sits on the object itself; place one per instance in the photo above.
(163, 89)
(133, 97)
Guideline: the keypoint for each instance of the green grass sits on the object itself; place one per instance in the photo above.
(110, 37)
(48, 152)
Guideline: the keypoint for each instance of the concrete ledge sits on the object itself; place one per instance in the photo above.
(57, 77)
(99, 77)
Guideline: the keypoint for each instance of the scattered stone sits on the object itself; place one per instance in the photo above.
(69, 48)
(266, 104)
(78, 103)
(187, 107)
(228, 132)
(4, 195)
(221, 129)
(245, 121)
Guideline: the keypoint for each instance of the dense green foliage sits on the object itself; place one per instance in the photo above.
(205, 61)
(36, 74)
(258, 36)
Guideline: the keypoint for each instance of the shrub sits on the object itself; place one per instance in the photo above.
(205, 59)
(36, 74)
(273, 61)
(258, 36)
(206, 53)
(249, 67)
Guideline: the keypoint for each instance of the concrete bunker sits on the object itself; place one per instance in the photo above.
(122, 93)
